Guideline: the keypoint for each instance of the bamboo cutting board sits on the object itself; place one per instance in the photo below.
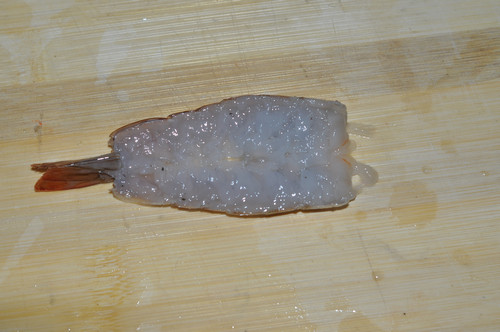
(417, 252)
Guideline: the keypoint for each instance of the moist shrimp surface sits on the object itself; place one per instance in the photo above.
(249, 155)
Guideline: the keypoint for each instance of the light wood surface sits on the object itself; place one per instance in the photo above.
(417, 252)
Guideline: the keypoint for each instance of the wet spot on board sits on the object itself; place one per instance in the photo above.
(106, 265)
(377, 275)
(38, 129)
(360, 216)
(419, 102)
(339, 304)
(412, 203)
(473, 57)
(361, 129)
(20, 249)
(462, 257)
(482, 54)
(122, 96)
(426, 169)
(448, 146)
(357, 322)
(395, 61)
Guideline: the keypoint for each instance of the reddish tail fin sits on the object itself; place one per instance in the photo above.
(74, 174)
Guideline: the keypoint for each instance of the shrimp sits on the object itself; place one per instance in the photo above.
(248, 155)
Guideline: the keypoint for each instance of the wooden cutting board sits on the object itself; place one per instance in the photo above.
(417, 252)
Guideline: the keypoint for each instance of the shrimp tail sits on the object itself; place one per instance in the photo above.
(72, 174)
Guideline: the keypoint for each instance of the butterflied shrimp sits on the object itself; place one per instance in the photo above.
(249, 155)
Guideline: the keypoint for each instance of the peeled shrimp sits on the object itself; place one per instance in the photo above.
(249, 155)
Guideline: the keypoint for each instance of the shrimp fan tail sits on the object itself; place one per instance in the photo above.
(72, 174)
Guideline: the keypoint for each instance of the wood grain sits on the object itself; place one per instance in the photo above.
(417, 252)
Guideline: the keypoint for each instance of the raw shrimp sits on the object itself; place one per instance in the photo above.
(249, 155)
